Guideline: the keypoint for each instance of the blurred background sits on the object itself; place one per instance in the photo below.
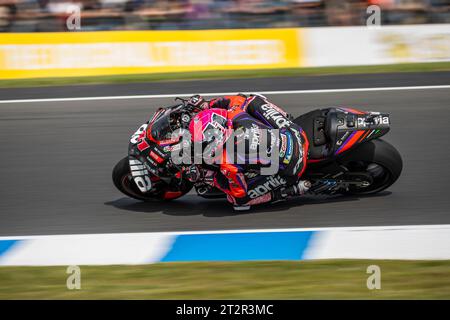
(50, 15)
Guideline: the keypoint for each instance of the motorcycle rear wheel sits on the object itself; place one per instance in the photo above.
(161, 191)
(379, 159)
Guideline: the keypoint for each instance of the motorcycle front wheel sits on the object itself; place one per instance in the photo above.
(161, 191)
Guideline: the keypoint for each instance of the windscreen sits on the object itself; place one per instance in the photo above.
(160, 127)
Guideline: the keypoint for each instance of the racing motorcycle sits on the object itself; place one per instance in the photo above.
(346, 155)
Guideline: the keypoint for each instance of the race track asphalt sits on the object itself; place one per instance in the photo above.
(57, 157)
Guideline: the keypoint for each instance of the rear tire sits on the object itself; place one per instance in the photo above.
(378, 158)
(123, 181)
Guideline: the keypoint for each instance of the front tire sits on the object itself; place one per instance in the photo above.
(161, 191)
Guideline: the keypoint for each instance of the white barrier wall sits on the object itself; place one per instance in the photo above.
(430, 242)
(340, 46)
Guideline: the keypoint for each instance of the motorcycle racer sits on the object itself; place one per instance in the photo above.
(349, 156)
(254, 116)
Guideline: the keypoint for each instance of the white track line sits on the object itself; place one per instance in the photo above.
(365, 228)
(153, 96)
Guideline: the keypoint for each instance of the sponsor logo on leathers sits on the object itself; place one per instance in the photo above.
(283, 145)
(300, 149)
(284, 113)
(253, 135)
(272, 183)
(274, 141)
(289, 149)
(271, 113)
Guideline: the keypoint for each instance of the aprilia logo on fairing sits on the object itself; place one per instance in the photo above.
(362, 122)
(381, 120)
(268, 186)
(140, 175)
(272, 113)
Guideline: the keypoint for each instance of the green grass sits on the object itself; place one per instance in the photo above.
(327, 279)
(133, 78)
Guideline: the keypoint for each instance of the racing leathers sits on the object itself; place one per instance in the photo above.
(267, 134)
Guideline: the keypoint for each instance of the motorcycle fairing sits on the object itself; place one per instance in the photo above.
(333, 131)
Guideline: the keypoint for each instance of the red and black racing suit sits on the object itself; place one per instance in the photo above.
(243, 183)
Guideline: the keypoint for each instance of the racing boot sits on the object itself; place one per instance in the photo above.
(298, 189)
